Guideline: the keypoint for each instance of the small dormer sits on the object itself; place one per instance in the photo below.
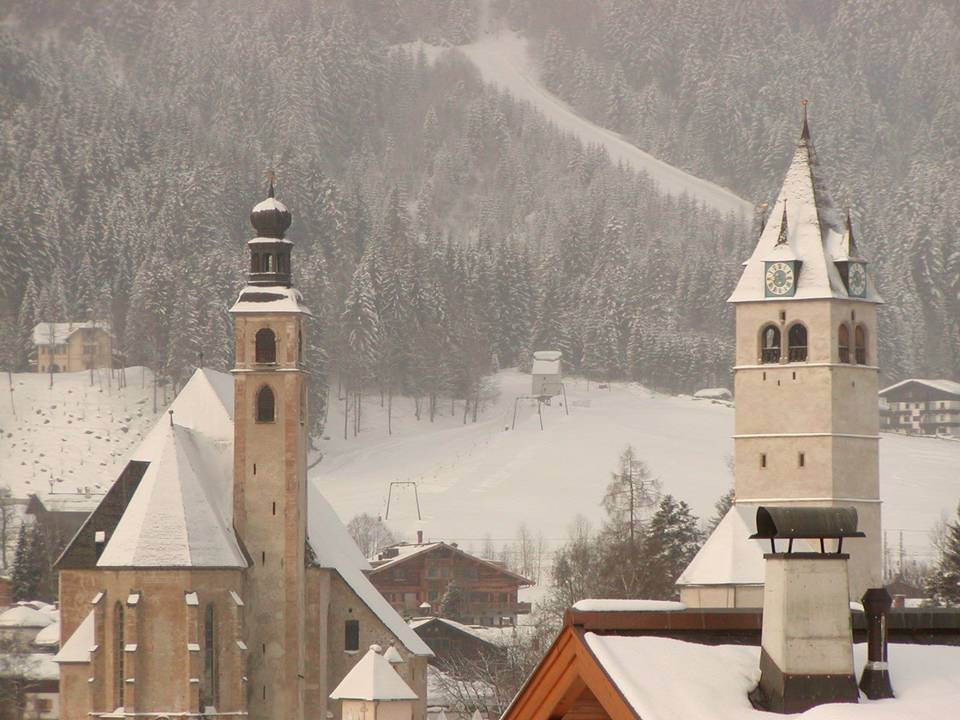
(781, 268)
(851, 266)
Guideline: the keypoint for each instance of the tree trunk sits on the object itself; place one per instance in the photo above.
(346, 413)
(389, 410)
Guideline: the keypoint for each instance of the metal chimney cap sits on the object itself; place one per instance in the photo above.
(774, 523)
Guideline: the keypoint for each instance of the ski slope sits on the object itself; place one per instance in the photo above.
(480, 479)
(71, 435)
(502, 59)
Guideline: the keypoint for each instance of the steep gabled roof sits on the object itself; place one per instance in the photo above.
(373, 678)
(728, 556)
(808, 228)
(407, 551)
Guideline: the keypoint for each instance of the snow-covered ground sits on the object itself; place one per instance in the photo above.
(474, 479)
(502, 59)
(72, 435)
(484, 478)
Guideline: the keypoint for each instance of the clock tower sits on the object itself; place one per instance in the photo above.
(805, 380)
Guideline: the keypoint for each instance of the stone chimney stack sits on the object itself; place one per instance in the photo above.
(807, 639)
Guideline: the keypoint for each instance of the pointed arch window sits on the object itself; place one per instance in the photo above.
(770, 344)
(265, 405)
(860, 345)
(265, 346)
(797, 343)
(843, 343)
(118, 652)
(210, 690)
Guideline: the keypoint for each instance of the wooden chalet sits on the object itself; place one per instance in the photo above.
(410, 575)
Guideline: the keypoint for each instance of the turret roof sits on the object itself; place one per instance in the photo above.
(808, 228)
(373, 678)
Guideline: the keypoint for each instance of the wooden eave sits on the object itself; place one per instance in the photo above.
(566, 671)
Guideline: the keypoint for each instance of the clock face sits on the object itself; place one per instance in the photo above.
(857, 280)
(779, 278)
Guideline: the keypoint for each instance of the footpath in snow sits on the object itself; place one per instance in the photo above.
(503, 61)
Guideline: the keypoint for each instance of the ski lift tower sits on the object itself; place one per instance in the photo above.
(547, 381)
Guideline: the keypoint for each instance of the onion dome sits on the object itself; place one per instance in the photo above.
(270, 217)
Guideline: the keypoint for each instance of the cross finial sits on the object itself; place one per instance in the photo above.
(271, 177)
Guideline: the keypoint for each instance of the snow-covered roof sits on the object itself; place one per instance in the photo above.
(334, 548)
(373, 678)
(269, 299)
(23, 616)
(502, 636)
(181, 513)
(37, 666)
(404, 552)
(407, 550)
(49, 636)
(713, 394)
(804, 225)
(663, 679)
(729, 556)
(546, 362)
(46, 333)
(615, 605)
(77, 647)
(270, 203)
(947, 386)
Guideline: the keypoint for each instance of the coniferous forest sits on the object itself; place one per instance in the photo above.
(443, 230)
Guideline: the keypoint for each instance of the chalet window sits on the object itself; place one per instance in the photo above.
(843, 343)
(797, 343)
(265, 405)
(351, 635)
(209, 690)
(118, 654)
(770, 344)
(266, 346)
(433, 571)
(860, 345)
(399, 574)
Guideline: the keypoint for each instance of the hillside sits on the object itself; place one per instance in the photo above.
(73, 435)
(475, 480)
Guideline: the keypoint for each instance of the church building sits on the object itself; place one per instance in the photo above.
(805, 377)
(213, 579)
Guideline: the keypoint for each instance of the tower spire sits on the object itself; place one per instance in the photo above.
(782, 236)
(805, 132)
(271, 177)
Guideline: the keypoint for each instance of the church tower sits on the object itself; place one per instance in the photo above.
(805, 378)
(269, 490)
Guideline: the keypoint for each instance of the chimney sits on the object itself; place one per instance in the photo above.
(806, 656)
(875, 680)
(419, 537)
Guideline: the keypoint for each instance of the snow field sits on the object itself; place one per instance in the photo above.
(72, 435)
(481, 479)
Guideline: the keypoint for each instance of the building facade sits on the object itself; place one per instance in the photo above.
(805, 379)
(212, 579)
(921, 407)
(71, 347)
(411, 575)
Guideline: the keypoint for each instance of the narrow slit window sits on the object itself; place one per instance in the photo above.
(351, 635)
(763, 460)
(801, 460)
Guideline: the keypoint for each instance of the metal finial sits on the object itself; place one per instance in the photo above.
(170, 412)
(271, 177)
(805, 133)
